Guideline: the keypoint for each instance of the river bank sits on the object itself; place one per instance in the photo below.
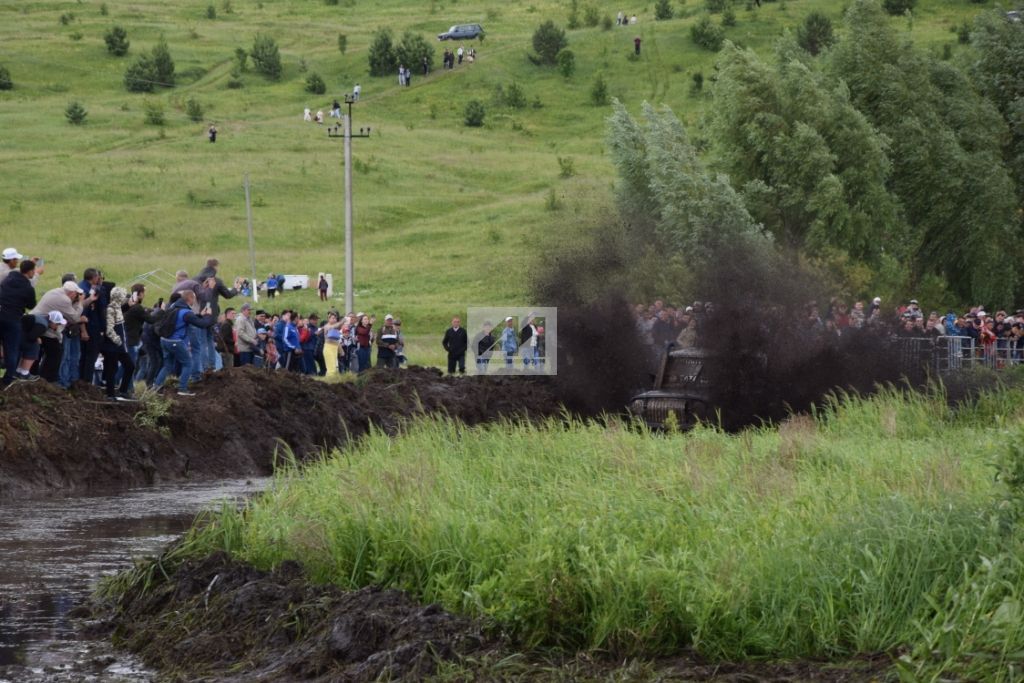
(60, 442)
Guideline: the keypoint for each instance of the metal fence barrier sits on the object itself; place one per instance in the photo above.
(962, 353)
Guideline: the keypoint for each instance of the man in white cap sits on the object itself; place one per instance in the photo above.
(9, 261)
(68, 300)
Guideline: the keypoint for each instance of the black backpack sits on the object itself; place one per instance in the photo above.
(164, 327)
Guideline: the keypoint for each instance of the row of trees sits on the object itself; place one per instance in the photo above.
(874, 152)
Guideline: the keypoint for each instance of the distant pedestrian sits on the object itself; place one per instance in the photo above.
(408, 77)
(212, 133)
(426, 66)
(636, 45)
(632, 20)
(307, 115)
(320, 116)
(401, 74)
(322, 288)
(355, 93)
(461, 52)
(619, 18)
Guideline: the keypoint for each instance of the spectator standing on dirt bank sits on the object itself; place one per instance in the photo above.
(362, 337)
(484, 347)
(66, 300)
(387, 343)
(455, 342)
(226, 339)
(114, 347)
(33, 327)
(175, 346)
(135, 319)
(509, 342)
(17, 295)
(92, 281)
(245, 335)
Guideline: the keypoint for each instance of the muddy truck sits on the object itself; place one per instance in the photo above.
(681, 392)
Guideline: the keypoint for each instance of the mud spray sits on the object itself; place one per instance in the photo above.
(771, 361)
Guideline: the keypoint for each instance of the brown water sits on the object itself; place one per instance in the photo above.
(52, 553)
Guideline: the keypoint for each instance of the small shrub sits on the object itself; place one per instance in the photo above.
(715, 6)
(163, 63)
(140, 76)
(194, 110)
(116, 39)
(514, 96)
(698, 82)
(663, 10)
(599, 92)
(474, 113)
(591, 17)
(211, 11)
(146, 233)
(303, 67)
(573, 21)
(707, 35)
(104, 10)
(728, 17)
(815, 33)
(75, 113)
(963, 33)
(947, 52)
(75, 35)
(536, 104)
(234, 83)
(241, 59)
(551, 201)
(266, 57)
(154, 113)
(315, 84)
(342, 43)
(898, 7)
(331, 2)
(566, 167)
(566, 63)
(66, 18)
(5, 79)
(607, 22)
(227, 8)
(548, 41)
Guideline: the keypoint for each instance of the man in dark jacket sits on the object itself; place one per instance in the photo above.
(455, 342)
(17, 295)
(215, 289)
(92, 279)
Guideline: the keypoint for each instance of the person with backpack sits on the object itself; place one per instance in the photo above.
(173, 330)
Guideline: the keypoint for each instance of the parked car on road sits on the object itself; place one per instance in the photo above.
(462, 32)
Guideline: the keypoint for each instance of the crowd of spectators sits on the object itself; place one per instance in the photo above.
(987, 335)
(93, 330)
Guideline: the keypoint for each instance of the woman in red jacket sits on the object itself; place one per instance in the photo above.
(364, 341)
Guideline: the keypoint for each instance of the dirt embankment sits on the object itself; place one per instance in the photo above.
(217, 619)
(54, 440)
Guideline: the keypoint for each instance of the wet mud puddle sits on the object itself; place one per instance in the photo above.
(52, 553)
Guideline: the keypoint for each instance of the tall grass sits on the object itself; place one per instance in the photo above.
(874, 527)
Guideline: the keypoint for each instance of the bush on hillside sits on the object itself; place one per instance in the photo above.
(140, 76)
(591, 17)
(574, 15)
(194, 110)
(211, 12)
(342, 43)
(663, 10)
(548, 41)
(715, 6)
(607, 22)
(75, 113)
(382, 57)
(474, 113)
(728, 17)
(599, 92)
(116, 39)
(566, 63)
(315, 84)
(241, 59)
(896, 7)
(5, 79)
(163, 63)
(515, 96)
(707, 35)
(815, 33)
(266, 57)
(413, 49)
(154, 112)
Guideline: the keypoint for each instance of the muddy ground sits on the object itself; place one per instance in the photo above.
(219, 620)
(53, 440)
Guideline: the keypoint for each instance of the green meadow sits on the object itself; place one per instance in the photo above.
(446, 216)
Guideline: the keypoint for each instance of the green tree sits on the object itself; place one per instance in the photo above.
(811, 167)
(514, 96)
(154, 112)
(474, 113)
(591, 16)
(815, 33)
(956, 194)
(664, 186)
(382, 57)
(566, 63)
(5, 79)
(194, 110)
(141, 76)
(663, 10)
(897, 7)
(163, 63)
(242, 59)
(707, 35)
(342, 43)
(116, 39)
(599, 92)
(315, 84)
(75, 113)
(548, 41)
(266, 57)
(413, 49)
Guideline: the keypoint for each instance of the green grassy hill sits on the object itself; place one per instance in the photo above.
(446, 216)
